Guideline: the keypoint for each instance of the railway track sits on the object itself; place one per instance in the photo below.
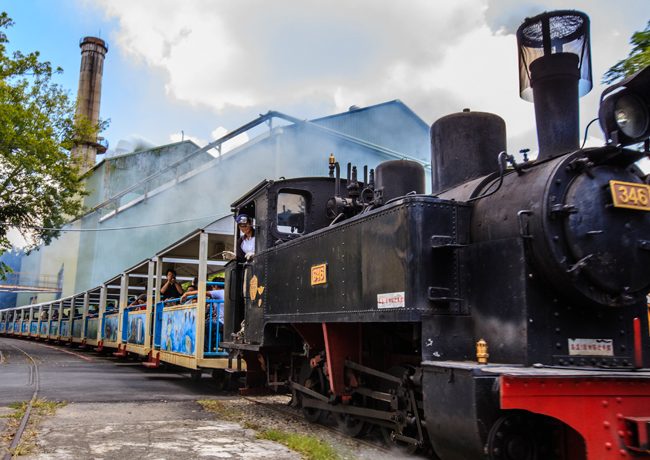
(353, 444)
(33, 380)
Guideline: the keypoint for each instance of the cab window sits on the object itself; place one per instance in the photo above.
(291, 215)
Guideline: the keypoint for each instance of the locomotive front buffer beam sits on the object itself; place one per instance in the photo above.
(503, 412)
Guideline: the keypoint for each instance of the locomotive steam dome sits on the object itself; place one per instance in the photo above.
(465, 146)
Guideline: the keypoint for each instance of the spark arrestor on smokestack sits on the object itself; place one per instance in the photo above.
(93, 51)
(554, 72)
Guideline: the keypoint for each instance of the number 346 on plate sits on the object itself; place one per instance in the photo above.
(630, 195)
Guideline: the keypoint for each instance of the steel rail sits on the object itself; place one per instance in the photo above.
(23, 423)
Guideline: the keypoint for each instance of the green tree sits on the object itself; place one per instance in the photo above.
(638, 58)
(40, 185)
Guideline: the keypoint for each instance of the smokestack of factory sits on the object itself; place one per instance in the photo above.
(93, 51)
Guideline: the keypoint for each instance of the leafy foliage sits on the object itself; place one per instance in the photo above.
(638, 58)
(40, 185)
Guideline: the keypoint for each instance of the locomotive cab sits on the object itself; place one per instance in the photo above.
(282, 211)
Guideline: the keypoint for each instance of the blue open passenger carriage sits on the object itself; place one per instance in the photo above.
(108, 317)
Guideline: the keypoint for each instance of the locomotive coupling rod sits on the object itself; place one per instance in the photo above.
(311, 393)
(345, 409)
(375, 394)
(367, 370)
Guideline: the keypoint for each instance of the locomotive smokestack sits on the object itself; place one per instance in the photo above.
(93, 51)
(554, 72)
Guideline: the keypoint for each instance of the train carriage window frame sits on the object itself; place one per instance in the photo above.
(280, 205)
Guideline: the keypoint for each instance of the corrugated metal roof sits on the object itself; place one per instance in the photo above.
(392, 125)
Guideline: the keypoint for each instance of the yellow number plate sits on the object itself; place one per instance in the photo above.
(629, 195)
(319, 274)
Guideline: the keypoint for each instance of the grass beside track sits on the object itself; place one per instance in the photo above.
(40, 407)
(310, 447)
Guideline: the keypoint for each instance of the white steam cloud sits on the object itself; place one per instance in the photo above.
(218, 133)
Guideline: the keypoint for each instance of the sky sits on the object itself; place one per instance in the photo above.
(206, 67)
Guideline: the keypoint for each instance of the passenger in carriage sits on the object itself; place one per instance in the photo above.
(192, 290)
(140, 302)
(172, 288)
(45, 316)
(55, 315)
(217, 293)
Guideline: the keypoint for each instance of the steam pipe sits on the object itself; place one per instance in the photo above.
(337, 184)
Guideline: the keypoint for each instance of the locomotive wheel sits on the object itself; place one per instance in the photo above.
(399, 447)
(348, 423)
(195, 374)
(315, 381)
(513, 437)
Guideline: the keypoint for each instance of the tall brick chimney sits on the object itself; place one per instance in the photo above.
(93, 51)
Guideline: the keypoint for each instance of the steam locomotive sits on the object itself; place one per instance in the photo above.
(503, 316)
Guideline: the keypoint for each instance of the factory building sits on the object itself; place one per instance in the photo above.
(171, 190)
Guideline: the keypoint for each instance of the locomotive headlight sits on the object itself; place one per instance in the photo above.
(631, 116)
(624, 110)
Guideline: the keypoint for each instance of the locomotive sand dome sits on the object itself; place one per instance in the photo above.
(399, 178)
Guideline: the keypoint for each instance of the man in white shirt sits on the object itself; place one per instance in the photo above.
(246, 243)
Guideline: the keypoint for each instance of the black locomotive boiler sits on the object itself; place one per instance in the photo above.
(502, 316)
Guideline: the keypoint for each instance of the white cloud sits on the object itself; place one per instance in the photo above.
(223, 55)
(436, 56)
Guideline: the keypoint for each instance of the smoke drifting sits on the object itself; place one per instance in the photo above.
(216, 134)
